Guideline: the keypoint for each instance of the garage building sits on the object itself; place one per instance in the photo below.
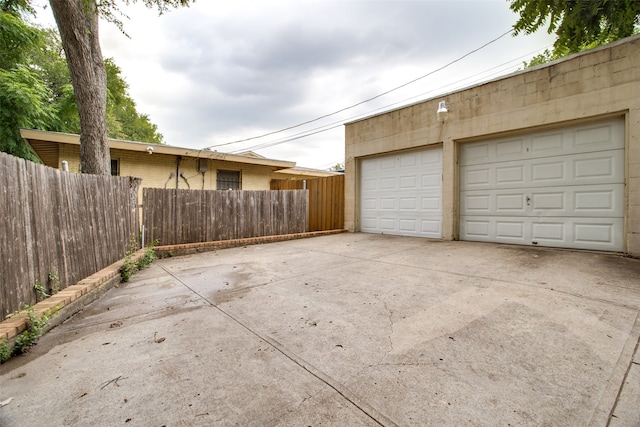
(548, 156)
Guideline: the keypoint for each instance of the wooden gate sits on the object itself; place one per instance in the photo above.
(326, 200)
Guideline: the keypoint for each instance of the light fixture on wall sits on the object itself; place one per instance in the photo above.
(442, 112)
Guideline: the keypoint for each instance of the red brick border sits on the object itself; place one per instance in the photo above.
(193, 248)
(16, 324)
(107, 277)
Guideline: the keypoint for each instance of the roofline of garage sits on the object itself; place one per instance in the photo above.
(506, 76)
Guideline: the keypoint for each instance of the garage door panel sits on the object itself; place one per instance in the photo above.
(545, 171)
(431, 181)
(431, 228)
(602, 137)
(507, 149)
(582, 139)
(408, 182)
(407, 194)
(549, 231)
(549, 201)
(586, 168)
(547, 144)
(386, 163)
(510, 175)
(509, 202)
(475, 177)
(575, 201)
(431, 158)
(386, 204)
(369, 204)
(388, 224)
(599, 166)
(432, 205)
(369, 184)
(408, 225)
(594, 231)
(562, 188)
(477, 153)
(387, 184)
(408, 203)
(581, 233)
(369, 223)
(511, 230)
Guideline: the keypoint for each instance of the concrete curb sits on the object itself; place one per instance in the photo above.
(74, 298)
(194, 248)
(67, 302)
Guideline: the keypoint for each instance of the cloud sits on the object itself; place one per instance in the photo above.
(220, 71)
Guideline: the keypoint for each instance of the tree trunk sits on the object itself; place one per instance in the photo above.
(78, 25)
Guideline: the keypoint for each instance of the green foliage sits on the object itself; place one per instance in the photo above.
(36, 90)
(17, 39)
(54, 283)
(34, 330)
(578, 24)
(45, 291)
(149, 255)
(5, 351)
(23, 96)
(130, 266)
(25, 104)
(16, 7)
(41, 291)
(123, 119)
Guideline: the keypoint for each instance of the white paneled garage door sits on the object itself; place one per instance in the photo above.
(561, 188)
(401, 194)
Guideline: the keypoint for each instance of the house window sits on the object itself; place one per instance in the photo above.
(228, 180)
(115, 167)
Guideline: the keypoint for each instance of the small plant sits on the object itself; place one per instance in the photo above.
(34, 330)
(130, 266)
(54, 283)
(41, 291)
(5, 351)
(149, 255)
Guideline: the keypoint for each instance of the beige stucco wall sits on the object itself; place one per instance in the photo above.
(601, 83)
(155, 170)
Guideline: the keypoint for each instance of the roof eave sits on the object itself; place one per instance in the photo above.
(66, 138)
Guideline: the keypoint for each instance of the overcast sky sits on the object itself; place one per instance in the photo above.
(218, 72)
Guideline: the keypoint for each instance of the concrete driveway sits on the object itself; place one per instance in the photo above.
(346, 330)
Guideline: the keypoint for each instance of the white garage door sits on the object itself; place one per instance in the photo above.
(561, 188)
(401, 194)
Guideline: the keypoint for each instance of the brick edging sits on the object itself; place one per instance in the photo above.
(194, 248)
(72, 299)
(67, 302)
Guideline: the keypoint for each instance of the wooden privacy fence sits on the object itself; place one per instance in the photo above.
(326, 200)
(59, 224)
(192, 216)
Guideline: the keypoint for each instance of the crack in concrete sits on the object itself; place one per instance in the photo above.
(389, 337)
(371, 412)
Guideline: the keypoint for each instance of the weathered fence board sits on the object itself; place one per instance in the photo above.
(326, 200)
(58, 223)
(192, 216)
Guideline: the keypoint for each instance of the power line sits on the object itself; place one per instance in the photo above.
(337, 124)
(369, 99)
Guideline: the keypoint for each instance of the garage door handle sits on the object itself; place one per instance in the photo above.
(528, 201)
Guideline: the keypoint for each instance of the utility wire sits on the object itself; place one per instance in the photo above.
(337, 124)
(369, 99)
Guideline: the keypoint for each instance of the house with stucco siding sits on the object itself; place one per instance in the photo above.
(547, 156)
(166, 166)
